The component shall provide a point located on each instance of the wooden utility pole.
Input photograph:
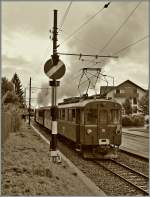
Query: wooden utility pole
(25, 97)
(29, 101)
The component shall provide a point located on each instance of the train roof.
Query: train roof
(80, 103)
(83, 103)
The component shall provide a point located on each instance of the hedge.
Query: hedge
(134, 120)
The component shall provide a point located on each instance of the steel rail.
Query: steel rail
(131, 169)
(145, 191)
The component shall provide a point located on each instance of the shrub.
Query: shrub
(135, 120)
(16, 121)
(138, 120)
(126, 121)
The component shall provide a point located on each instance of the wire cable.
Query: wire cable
(65, 15)
(132, 44)
(86, 22)
(121, 26)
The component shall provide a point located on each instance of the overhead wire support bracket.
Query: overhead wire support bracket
(88, 55)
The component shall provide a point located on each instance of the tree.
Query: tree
(127, 106)
(144, 104)
(6, 86)
(10, 97)
(18, 88)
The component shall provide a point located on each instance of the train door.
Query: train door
(103, 131)
(78, 126)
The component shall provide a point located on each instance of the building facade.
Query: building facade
(125, 90)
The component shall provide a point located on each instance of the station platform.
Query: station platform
(27, 169)
(135, 141)
(136, 131)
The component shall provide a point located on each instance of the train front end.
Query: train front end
(102, 129)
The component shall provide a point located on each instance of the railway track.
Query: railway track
(102, 176)
(136, 179)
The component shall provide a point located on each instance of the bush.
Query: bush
(126, 121)
(138, 120)
(135, 120)
(16, 121)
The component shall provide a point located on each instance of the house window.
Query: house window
(122, 91)
(117, 91)
(134, 109)
(134, 100)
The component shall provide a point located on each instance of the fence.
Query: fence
(10, 122)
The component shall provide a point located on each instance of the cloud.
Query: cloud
(17, 61)
(34, 19)
(43, 97)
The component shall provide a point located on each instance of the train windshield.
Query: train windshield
(114, 116)
(103, 116)
(91, 116)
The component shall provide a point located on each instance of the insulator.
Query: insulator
(80, 56)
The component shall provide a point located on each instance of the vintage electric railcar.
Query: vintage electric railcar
(93, 125)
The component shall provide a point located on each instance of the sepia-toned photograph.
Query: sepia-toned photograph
(75, 98)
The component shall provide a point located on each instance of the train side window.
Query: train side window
(63, 114)
(82, 116)
(41, 113)
(70, 114)
(66, 114)
(103, 116)
(73, 115)
(59, 114)
(77, 116)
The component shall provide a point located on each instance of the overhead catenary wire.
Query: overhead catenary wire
(129, 45)
(86, 22)
(121, 26)
(88, 44)
(132, 44)
(124, 48)
(65, 16)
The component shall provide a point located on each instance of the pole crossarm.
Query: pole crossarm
(88, 55)
(93, 69)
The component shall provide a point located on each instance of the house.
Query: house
(125, 90)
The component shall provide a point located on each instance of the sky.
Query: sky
(121, 29)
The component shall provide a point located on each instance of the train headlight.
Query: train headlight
(118, 131)
(89, 131)
(103, 130)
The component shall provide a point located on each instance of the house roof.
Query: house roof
(131, 83)
(105, 89)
